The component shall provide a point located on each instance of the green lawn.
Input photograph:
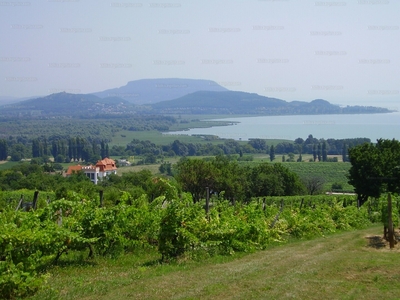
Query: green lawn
(4, 165)
(350, 265)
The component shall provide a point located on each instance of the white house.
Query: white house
(102, 169)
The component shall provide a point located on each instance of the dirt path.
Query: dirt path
(342, 266)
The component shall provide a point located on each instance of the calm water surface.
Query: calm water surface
(373, 126)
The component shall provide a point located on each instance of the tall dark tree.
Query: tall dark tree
(272, 153)
(103, 149)
(37, 148)
(107, 151)
(344, 153)
(72, 149)
(3, 149)
(319, 152)
(314, 152)
(62, 146)
(324, 152)
(300, 159)
(54, 148)
(80, 145)
(45, 148)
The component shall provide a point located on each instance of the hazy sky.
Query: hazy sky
(346, 52)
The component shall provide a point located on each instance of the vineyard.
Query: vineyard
(33, 241)
(330, 172)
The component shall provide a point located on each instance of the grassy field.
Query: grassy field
(4, 165)
(122, 138)
(350, 265)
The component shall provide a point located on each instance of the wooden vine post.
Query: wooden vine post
(390, 222)
(207, 200)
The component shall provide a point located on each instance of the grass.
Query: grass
(349, 265)
(4, 165)
(122, 138)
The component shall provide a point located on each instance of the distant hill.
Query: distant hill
(231, 102)
(192, 96)
(65, 104)
(147, 91)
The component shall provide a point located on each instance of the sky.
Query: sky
(346, 52)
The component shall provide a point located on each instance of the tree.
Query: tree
(319, 154)
(54, 148)
(72, 151)
(195, 175)
(324, 152)
(102, 149)
(291, 157)
(264, 181)
(18, 152)
(3, 149)
(273, 180)
(314, 152)
(230, 178)
(299, 141)
(313, 185)
(272, 153)
(258, 144)
(165, 167)
(37, 148)
(344, 153)
(374, 169)
(179, 148)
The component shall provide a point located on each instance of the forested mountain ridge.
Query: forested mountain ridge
(231, 102)
(191, 97)
(146, 91)
(66, 104)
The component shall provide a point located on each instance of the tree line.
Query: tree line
(90, 149)
(319, 148)
(62, 150)
(224, 177)
(375, 169)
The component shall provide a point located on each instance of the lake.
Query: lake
(373, 126)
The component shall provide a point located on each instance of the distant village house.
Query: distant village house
(102, 169)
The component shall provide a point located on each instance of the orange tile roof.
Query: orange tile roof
(106, 164)
(74, 169)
